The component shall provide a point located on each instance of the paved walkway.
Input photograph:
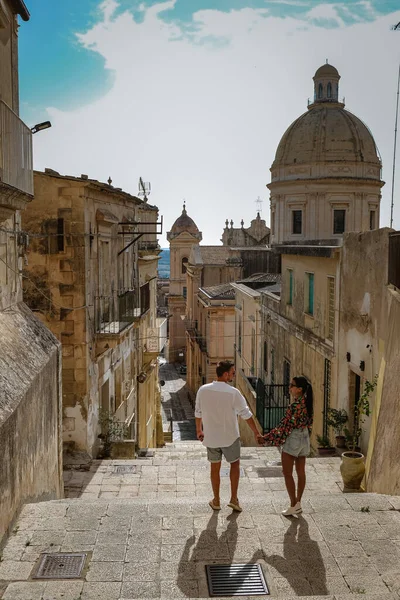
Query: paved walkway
(148, 532)
(178, 403)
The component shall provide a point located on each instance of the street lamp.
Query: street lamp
(41, 126)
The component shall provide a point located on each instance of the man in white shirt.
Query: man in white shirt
(218, 406)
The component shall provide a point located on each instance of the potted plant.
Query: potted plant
(352, 467)
(337, 418)
(324, 446)
(113, 437)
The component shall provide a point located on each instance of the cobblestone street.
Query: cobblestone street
(148, 532)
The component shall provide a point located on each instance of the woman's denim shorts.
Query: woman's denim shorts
(297, 443)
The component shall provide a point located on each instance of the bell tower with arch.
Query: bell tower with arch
(183, 236)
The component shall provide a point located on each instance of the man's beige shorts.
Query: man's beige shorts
(231, 453)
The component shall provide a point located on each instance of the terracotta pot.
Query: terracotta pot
(352, 469)
(340, 441)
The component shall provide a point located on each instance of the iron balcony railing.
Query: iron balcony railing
(16, 165)
(394, 259)
(114, 313)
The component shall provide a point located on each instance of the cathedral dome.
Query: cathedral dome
(184, 223)
(327, 71)
(326, 175)
(326, 134)
(327, 140)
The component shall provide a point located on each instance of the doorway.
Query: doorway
(354, 396)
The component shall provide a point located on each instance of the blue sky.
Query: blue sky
(194, 95)
(49, 49)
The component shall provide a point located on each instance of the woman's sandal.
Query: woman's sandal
(214, 506)
(234, 506)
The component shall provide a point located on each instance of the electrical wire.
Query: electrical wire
(42, 293)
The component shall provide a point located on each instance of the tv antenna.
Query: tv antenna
(144, 189)
(259, 203)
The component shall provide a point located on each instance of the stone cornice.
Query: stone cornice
(11, 200)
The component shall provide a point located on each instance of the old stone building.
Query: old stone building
(30, 383)
(210, 272)
(210, 336)
(326, 175)
(256, 235)
(325, 181)
(94, 254)
(248, 349)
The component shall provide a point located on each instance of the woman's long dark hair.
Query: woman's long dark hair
(306, 388)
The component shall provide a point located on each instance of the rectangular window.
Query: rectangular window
(253, 351)
(54, 228)
(273, 223)
(309, 293)
(240, 337)
(144, 298)
(290, 286)
(372, 220)
(286, 375)
(297, 216)
(331, 308)
(265, 357)
(184, 292)
(339, 221)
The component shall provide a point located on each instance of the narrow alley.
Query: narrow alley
(177, 403)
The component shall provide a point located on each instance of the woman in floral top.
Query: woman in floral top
(293, 436)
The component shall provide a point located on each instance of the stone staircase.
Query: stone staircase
(148, 532)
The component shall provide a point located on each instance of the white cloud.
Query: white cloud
(201, 119)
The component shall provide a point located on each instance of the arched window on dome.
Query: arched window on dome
(329, 90)
(320, 90)
(184, 264)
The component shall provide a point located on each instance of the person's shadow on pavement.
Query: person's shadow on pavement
(210, 548)
(302, 564)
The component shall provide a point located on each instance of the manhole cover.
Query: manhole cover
(225, 472)
(236, 580)
(125, 469)
(60, 566)
(269, 472)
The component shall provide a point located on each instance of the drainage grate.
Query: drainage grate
(125, 469)
(225, 472)
(269, 472)
(236, 580)
(60, 566)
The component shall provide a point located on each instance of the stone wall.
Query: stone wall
(30, 413)
(383, 461)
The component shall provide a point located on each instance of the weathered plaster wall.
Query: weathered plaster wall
(30, 413)
(383, 461)
(364, 306)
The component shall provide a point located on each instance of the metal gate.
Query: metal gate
(272, 402)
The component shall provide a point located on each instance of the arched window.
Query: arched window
(184, 264)
(320, 90)
(329, 90)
